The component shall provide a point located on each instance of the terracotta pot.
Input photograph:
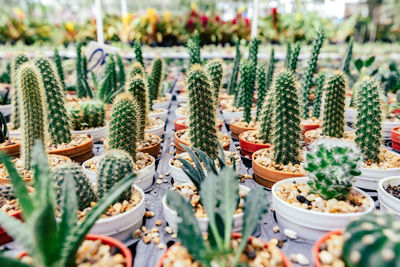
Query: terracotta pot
(317, 246)
(308, 127)
(78, 153)
(180, 125)
(395, 137)
(179, 142)
(153, 150)
(236, 130)
(268, 177)
(11, 150)
(286, 261)
(248, 148)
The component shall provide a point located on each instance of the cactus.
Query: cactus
(15, 65)
(193, 45)
(246, 85)
(369, 119)
(57, 117)
(346, 62)
(80, 87)
(268, 82)
(372, 240)
(3, 129)
(253, 51)
(286, 120)
(215, 74)
(110, 69)
(202, 117)
(288, 55)
(121, 71)
(232, 87)
(266, 118)
(312, 67)
(294, 58)
(93, 113)
(84, 191)
(113, 167)
(138, 53)
(31, 101)
(318, 95)
(124, 124)
(156, 78)
(60, 71)
(137, 69)
(333, 122)
(332, 167)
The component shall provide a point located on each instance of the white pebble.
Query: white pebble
(290, 233)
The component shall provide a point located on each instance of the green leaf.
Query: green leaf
(191, 172)
(43, 182)
(195, 160)
(359, 64)
(95, 83)
(207, 160)
(11, 262)
(221, 158)
(369, 61)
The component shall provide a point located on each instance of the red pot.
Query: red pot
(286, 261)
(308, 127)
(396, 111)
(395, 136)
(317, 246)
(248, 148)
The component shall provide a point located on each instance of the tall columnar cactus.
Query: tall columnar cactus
(312, 68)
(121, 71)
(156, 78)
(215, 73)
(93, 113)
(266, 117)
(60, 70)
(113, 167)
(193, 45)
(137, 88)
(369, 119)
(286, 120)
(261, 89)
(123, 124)
(318, 95)
(57, 116)
(253, 51)
(137, 69)
(288, 55)
(202, 119)
(333, 122)
(31, 101)
(80, 86)
(373, 240)
(110, 69)
(15, 65)
(138, 53)
(332, 166)
(84, 191)
(232, 87)
(246, 85)
(347, 60)
(294, 58)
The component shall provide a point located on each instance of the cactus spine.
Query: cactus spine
(202, 120)
(266, 118)
(318, 95)
(121, 70)
(193, 45)
(32, 110)
(261, 89)
(232, 88)
(333, 122)
(123, 124)
(312, 67)
(294, 58)
(156, 77)
(215, 73)
(138, 53)
(369, 119)
(57, 118)
(246, 85)
(286, 120)
(60, 70)
(253, 51)
(113, 167)
(15, 64)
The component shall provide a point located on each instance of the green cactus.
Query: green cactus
(369, 119)
(288, 55)
(266, 118)
(294, 58)
(332, 167)
(333, 122)
(261, 89)
(137, 69)
(15, 65)
(215, 74)
(156, 78)
(246, 85)
(373, 240)
(93, 113)
(57, 116)
(193, 44)
(312, 68)
(60, 70)
(80, 87)
(121, 71)
(232, 87)
(113, 167)
(138, 53)
(84, 190)
(110, 69)
(31, 101)
(268, 82)
(202, 117)
(124, 124)
(318, 95)
(253, 51)
(347, 62)
(286, 120)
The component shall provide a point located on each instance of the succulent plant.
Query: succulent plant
(114, 166)
(347, 62)
(92, 113)
(288, 54)
(156, 78)
(232, 87)
(246, 87)
(261, 89)
(285, 120)
(373, 240)
(266, 118)
(121, 70)
(80, 86)
(3, 129)
(110, 70)
(124, 124)
(369, 119)
(193, 44)
(318, 95)
(215, 72)
(138, 53)
(15, 65)
(137, 69)
(202, 117)
(268, 81)
(253, 50)
(294, 58)
(57, 117)
(60, 70)
(332, 166)
(312, 68)
(333, 122)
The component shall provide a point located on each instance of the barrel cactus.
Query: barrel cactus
(15, 65)
(215, 71)
(246, 87)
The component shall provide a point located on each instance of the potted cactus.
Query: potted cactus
(389, 194)
(158, 99)
(325, 200)
(370, 241)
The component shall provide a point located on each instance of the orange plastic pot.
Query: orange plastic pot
(236, 130)
(180, 124)
(308, 127)
(179, 142)
(152, 150)
(317, 247)
(11, 150)
(248, 148)
(395, 137)
(79, 153)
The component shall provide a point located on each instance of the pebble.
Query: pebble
(161, 246)
(290, 233)
(147, 239)
(137, 234)
(169, 230)
(156, 240)
(174, 236)
(158, 222)
(165, 181)
(160, 176)
(149, 214)
(276, 229)
(159, 181)
(299, 258)
(325, 257)
(168, 173)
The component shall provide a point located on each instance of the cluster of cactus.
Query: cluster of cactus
(332, 166)
(138, 53)
(202, 117)
(266, 118)
(156, 78)
(312, 67)
(319, 91)
(15, 65)
(246, 87)
(82, 86)
(333, 122)
(265, 86)
(294, 58)
(347, 62)
(87, 114)
(369, 119)
(215, 71)
(286, 120)
(373, 240)
(60, 70)
(232, 87)
(193, 44)
(253, 50)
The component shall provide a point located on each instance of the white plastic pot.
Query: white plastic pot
(387, 127)
(229, 115)
(164, 104)
(181, 98)
(162, 115)
(172, 218)
(97, 133)
(159, 131)
(350, 115)
(309, 224)
(386, 200)
(122, 225)
(178, 115)
(370, 178)
(143, 179)
(6, 109)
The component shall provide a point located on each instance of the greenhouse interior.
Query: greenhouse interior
(200, 133)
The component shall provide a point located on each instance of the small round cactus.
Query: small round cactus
(215, 73)
(15, 65)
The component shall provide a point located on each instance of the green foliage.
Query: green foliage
(246, 87)
(288, 54)
(333, 122)
(369, 119)
(332, 167)
(15, 65)
(60, 71)
(347, 60)
(318, 95)
(202, 117)
(373, 240)
(215, 72)
(3, 129)
(232, 87)
(266, 118)
(121, 70)
(156, 78)
(138, 53)
(286, 120)
(193, 45)
(253, 51)
(312, 68)
(294, 58)
(57, 116)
